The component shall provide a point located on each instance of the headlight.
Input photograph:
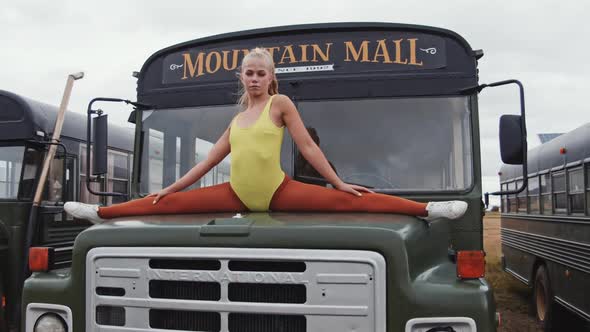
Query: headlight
(50, 323)
(441, 324)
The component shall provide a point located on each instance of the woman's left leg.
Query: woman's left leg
(297, 196)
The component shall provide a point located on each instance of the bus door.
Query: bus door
(54, 228)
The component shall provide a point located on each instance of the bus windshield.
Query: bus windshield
(397, 144)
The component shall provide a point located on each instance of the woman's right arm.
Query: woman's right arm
(219, 151)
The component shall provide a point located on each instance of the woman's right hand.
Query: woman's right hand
(160, 194)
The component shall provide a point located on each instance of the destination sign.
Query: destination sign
(322, 54)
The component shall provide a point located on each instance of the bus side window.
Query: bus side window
(559, 193)
(32, 161)
(533, 188)
(11, 158)
(576, 190)
(546, 201)
(54, 186)
(118, 175)
(512, 198)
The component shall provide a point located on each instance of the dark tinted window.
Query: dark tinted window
(32, 161)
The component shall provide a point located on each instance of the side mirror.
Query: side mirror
(100, 125)
(132, 116)
(513, 145)
(511, 139)
(99, 153)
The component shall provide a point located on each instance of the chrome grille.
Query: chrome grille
(267, 293)
(234, 290)
(185, 320)
(185, 290)
(274, 323)
(108, 315)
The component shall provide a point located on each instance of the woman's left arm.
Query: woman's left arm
(308, 148)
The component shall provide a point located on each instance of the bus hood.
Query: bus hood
(398, 238)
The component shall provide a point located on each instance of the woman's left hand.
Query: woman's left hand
(352, 189)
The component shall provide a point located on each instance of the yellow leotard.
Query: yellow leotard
(256, 170)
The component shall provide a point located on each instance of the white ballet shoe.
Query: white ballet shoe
(83, 211)
(449, 209)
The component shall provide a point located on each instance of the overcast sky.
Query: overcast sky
(545, 44)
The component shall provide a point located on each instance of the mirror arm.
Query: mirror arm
(58, 143)
(479, 88)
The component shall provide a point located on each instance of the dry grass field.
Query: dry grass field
(512, 297)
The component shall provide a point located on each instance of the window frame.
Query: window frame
(110, 177)
(545, 193)
(554, 193)
(82, 177)
(511, 199)
(536, 196)
(578, 192)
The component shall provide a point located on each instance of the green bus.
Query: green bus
(26, 126)
(546, 229)
(406, 100)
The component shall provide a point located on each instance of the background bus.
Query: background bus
(546, 228)
(25, 128)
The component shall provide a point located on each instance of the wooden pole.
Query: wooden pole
(56, 135)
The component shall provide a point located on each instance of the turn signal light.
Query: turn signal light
(40, 259)
(471, 264)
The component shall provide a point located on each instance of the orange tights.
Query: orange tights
(290, 196)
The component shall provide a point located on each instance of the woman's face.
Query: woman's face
(256, 76)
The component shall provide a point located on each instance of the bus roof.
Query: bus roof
(364, 59)
(21, 118)
(548, 156)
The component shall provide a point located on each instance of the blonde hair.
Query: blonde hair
(273, 88)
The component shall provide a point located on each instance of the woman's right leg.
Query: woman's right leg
(218, 198)
(293, 195)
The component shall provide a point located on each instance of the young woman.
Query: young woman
(257, 182)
